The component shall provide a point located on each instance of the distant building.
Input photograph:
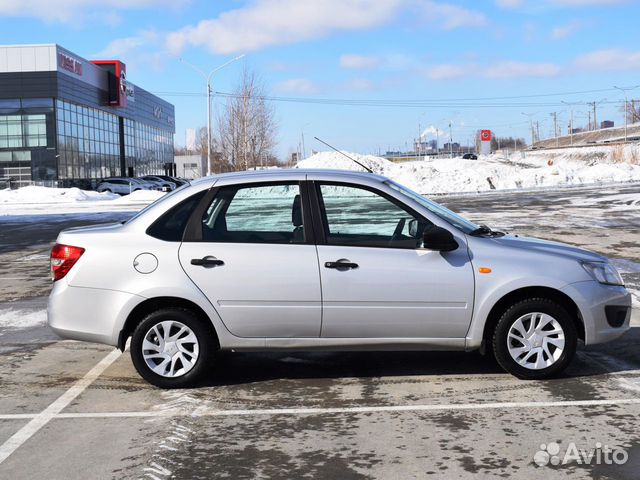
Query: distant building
(68, 121)
(190, 166)
(606, 124)
(577, 130)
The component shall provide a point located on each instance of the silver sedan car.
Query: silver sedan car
(324, 260)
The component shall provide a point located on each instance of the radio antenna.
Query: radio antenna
(342, 153)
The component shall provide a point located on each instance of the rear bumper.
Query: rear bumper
(88, 314)
(605, 310)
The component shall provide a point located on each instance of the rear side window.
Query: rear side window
(255, 214)
(170, 226)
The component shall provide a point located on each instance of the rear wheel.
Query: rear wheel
(172, 348)
(535, 339)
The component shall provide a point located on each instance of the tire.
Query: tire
(180, 363)
(106, 190)
(546, 350)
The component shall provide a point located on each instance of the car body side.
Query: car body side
(103, 294)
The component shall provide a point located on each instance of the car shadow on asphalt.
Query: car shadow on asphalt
(233, 368)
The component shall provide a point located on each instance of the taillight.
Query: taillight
(63, 257)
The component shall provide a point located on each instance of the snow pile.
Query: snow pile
(531, 170)
(46, 200)
(26, 195)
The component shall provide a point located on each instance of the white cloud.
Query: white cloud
(71, 11)
(585, 3)
(360, 85)
(500, 70)
(297, 85)
(447, 71)
(609, 60)
(265, 23)
(512, 4)
(450, 16)
(563, 31)
(521, 70)
(359, 62)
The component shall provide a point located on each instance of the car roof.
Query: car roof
(275, 174)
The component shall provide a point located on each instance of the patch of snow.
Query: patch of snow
(488, 172)
(34, 200)
(33, 194)
(21, 318)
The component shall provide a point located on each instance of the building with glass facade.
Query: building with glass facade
(67, 121)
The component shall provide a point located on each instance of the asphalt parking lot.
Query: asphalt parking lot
(73, 410)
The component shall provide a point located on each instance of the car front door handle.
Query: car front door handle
(207, 262)
(341, 264)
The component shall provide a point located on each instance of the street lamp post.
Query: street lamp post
(208, 77)
(626, 106)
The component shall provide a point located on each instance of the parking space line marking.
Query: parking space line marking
(336, 410)
(40, 420)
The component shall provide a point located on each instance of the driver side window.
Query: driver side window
(356, 216)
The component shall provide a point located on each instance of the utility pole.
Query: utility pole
(571, 105)
(595, 118)
(530, 115)
(589, 114)
(538, 130)
(626, 106)
(450, 141)
(555, 126)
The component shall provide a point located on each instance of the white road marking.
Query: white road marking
(52, 411)
(337, 410)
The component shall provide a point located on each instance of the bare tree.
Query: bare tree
(247, 126)
(632, 110)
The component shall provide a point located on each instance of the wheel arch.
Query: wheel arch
(150, 305)
(532, 292)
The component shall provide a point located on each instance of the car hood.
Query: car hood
(548, 247)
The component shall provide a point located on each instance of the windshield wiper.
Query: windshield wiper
(484, 230)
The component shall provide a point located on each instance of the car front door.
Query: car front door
(253, 256)
(377, 281)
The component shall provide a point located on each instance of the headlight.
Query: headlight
(602, 272)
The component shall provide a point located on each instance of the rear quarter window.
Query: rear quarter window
(171, 224)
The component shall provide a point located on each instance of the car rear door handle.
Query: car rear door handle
(206, 262)
(341, 264)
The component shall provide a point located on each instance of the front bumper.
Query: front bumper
(592, 299)
(88, 314)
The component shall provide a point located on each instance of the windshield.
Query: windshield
(444, 213)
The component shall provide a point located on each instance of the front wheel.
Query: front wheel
(172, 348)
(535, 339)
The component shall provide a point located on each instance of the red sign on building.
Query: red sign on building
(485, 135)
(117, 81)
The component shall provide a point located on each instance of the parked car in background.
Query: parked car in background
(160, 182)
(469, 156)
(325, 260)
(178, 181)
(124, 185)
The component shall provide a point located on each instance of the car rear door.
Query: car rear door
(250, 252)
(377, 281)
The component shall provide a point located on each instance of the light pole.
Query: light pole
(626, 106)
(571, 105)
(208, 77)
(530, 115)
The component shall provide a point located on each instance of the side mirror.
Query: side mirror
(439, 239)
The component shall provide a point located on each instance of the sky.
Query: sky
(364, 75)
